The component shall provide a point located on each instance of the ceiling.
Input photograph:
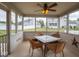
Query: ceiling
(29, 8)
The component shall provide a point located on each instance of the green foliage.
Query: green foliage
(41, 23)
(11, 22)
(2, 22)
(2, 32)
(78, 19)
(74, 28)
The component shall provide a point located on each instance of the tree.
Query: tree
(78, 19)
(11, 22)
(2, 22)
(41, 23)
(70, 27)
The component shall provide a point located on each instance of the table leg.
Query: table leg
(45, 50)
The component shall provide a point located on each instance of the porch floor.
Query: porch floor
(23, 51)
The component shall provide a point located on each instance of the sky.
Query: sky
(2, 15)
(74, 15)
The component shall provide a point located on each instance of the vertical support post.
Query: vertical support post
(0, 46)
(58, 23)
(8, 30)
(16, 19)
(35, 24)
(23, 23)
(46, 25)
(67, 26)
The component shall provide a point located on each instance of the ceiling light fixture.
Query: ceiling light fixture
(45, 11)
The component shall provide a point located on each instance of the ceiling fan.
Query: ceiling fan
(46, 8)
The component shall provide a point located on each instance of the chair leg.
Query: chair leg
(63, 53)
(29, 49)
(42, 51)
(55, 54)
(32, 52)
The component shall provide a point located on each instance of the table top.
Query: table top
(46, 38)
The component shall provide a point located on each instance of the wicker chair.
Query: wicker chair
(35, 45)
(56, 47)
(56, 35)
(39, 33)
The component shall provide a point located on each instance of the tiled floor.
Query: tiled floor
(23, 51)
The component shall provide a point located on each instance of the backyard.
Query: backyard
(3, 32)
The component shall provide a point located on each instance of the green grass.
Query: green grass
(75, 29)
(2, 22)
(50, 29)
(44, 29)
(3, 32)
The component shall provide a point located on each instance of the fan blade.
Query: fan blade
(51, 10)
(55, 4)
(38, 10)
(40, 5)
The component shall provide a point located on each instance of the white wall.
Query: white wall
(15, 40)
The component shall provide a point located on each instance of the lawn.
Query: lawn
(50, 29)
(74, 28)
(44, 29)
(3, 32)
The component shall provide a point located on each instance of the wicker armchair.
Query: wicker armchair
(35, 45)
(39, 33)
(56, 35)
(56, 47)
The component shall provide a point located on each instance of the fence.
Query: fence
(3, 45)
